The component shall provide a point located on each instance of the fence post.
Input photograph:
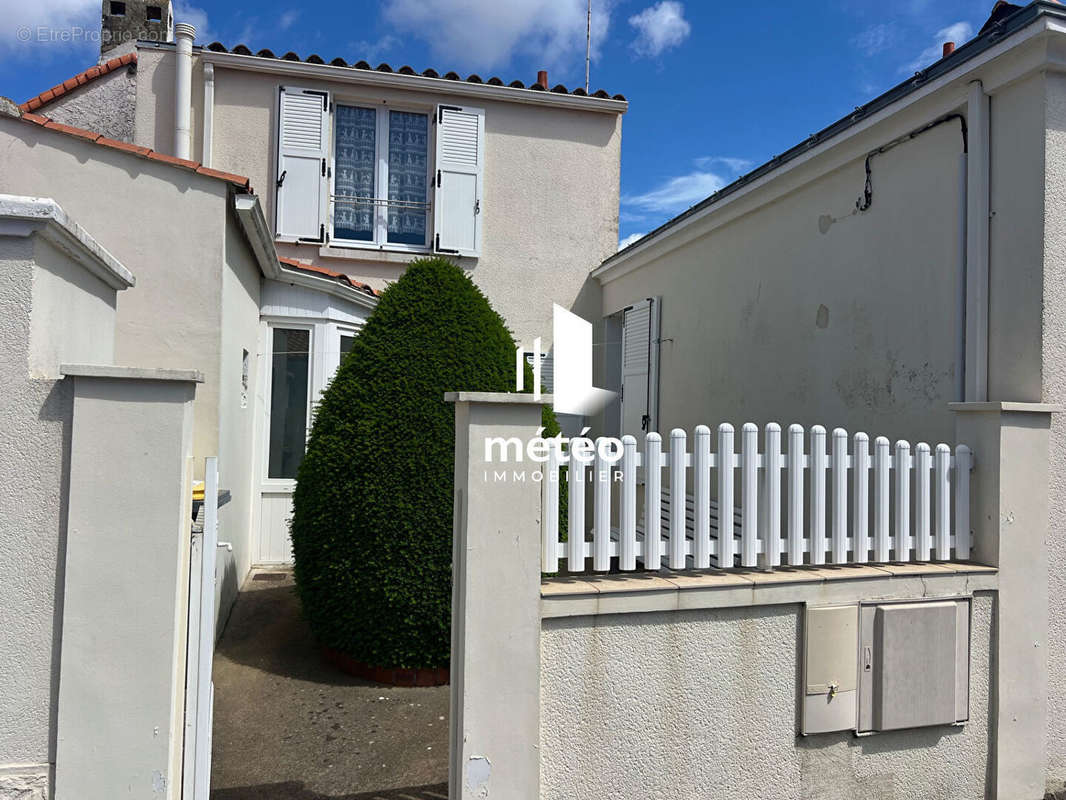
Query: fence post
(495, 661)
(1009, 518)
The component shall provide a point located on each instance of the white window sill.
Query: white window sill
(382, 256)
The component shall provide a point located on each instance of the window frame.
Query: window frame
(381, 173)
(268, 398)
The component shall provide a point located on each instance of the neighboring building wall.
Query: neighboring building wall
(551, 182)
(104, 105)
(238, 468)
(789, 306)
(1054, 391)
(37, 284)
(797, 309)
(168, 224)
(703, 704)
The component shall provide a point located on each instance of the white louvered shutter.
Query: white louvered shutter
(640, 368)
(457, 195)
(303, 158)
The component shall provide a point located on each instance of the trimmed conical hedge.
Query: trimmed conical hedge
(372, 519)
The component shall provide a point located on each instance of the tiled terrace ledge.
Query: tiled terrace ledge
(681, 591)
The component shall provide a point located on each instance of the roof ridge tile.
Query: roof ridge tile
(82, 78)
(240, 49)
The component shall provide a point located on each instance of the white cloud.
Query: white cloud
(373, 52)
(875, 39)
(659, 28)
(197, 17)
(485, 34)
(674, 195)
(287, 18)
(32, 28)
(622, 245)
(958, 32)
(734, 165)
(677, 194)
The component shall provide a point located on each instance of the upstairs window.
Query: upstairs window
(375, 148)
(377, 177)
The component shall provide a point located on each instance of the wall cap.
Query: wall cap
(1030, 408)
(26, 216)
(505, 398)
(591, 595)
(130, 373)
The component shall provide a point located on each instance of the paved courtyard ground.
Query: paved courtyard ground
(290, 727)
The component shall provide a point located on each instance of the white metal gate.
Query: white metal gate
(199, 689)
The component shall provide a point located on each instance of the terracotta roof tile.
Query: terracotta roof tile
(80, 79)
(84, 134)
(179, 162)
(340, 277)
(239, 181)
(243, 50)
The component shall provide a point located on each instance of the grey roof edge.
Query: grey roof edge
(45, 216)
(973, 48)
(130, 373)
(249, 213)
(598, 101)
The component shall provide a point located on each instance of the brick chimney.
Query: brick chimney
(123, 22)
(542, 78)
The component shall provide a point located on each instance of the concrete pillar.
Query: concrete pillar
(122, 665)
(1009, 516)
(495, 663)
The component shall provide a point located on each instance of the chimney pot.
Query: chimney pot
(542, 78)
(949, 48)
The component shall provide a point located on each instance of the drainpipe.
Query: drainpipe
(184, 34)
(960, 286)
(977, 216)
(209, 111)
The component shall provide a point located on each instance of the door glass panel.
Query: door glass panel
(408, 184)
(354, 184)
(289, 385)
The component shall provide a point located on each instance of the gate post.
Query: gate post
(495, 661)
(1009, 517)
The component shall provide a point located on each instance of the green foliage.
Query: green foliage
(372, 519)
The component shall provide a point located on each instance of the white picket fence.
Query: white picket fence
(793, 507)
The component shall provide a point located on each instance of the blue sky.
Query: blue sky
(714, 88)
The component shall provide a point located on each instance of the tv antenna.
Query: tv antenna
(588, 45)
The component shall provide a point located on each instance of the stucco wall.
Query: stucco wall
(1054, 390)
(702, 704)
(73, 314)
(550, 210)
(799, 310)
(166, 224)
(788, 305)
(237, 467)
(35, 281)
(104, 105)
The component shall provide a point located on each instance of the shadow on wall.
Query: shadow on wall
(291, 790)
(58, 406)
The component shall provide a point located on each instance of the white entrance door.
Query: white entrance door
(286, 408)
